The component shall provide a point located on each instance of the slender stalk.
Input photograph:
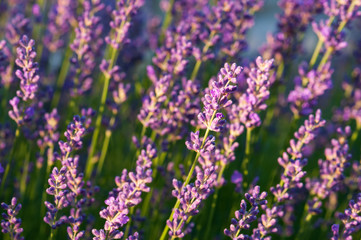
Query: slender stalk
(204, 50)
(319, 45)
(4, 101)
(280, 70)
(147, 199)
(316, 52)
(167, 20)
(98, 121)
(43, 196)
(11, 155)
(126, 233)
(329, 50)
(247, 155)
(62, 76)
(108, 134)
(214, 203)
(25, 172)
(196, 69)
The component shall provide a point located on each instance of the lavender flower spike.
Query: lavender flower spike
(127, 194)
(244, 216)
(28, 81)
(28, 75)
(217, 97)
(257, 93)
(293, 162)
(351, 219)
(10, 224)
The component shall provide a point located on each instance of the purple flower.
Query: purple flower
(130, 186)
(190, 198)
(332, 171)
(309, 87)
(351, 220)
(86, 47)
(17, 26)
(61, 17)
(293, 162)
(351, 104)
(257, 93)
(293, 20)
(217, 97)
(121, 21)
(4, 57)
(245, 216)
(22, 112)
(28, 76)
(331, 37)
(10, 224)
(67, 184)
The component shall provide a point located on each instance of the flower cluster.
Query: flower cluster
(293, 161)
(130, 186)
(17, 26)
(157, 74)
(28, 80)
(216, 97)
(86, 46)
(309, 86)
(120, 23)
(351, 105)
(351, 220)
(67, 185)
(245, 216)
(61, 16)
(256, 95)
(292, 23)
(12, 225)
(190, 198)
(332, 171)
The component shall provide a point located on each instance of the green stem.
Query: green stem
(147, 199)
(305, 219)
(90, 162)
(325, 57)
(25, 173)
(196, 69)
(108, 134)
(247, 155)
(11, 155)
(316, 52)
(214, 203)
(204, 50)
(167, 20)
(4, 102)
(61, 78)
(52, 233)
(280, 70)
(319, 45)
(329, 50)
(126, 233)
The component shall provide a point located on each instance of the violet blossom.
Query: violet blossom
(10, 224)
(246, 215)
(351, 220)
(23, 112)
(332, 171)
(67, 184)
(130, 186)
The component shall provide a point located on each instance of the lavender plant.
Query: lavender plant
(188, 139)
